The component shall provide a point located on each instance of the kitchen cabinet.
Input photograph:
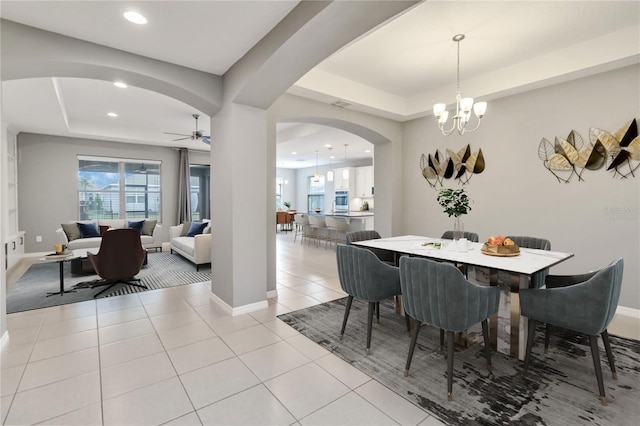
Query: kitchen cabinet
(339, 181)
(364, 182)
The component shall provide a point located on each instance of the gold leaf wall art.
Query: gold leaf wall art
(459, 165)
(623, 148)
(567, 157)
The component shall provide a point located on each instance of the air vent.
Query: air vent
(341, 104)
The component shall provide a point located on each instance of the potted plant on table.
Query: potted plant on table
(287, 204)
(455, 203)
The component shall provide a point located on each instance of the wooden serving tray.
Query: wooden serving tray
(502, 251)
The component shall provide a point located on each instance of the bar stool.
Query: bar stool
(301, 223)
(335, 225)
(318, 226)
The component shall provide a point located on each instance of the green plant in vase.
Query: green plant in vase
(287, 204)
(455, 203)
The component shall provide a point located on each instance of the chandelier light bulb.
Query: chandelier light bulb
(463, 106)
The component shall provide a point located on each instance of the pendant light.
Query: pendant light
(463, 106)
(330, 172)
(345, 171)
(316, 176)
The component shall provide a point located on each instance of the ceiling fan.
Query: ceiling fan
(197, 135)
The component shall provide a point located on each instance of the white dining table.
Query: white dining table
(508, 329)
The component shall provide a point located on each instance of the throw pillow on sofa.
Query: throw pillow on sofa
(88, 230)
(186, 225)
(148, 227)
(137, 225)
(196, 228)
(72, 231)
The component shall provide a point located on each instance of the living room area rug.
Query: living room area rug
(560, 387)
(162, 270)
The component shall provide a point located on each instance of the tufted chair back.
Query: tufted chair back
(438, 294)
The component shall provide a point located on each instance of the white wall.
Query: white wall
(48, 181)
(517, 195)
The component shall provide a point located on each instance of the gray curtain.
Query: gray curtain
(184, 187)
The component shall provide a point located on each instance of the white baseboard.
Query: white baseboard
(272, 293)
(240, 310)
(628, 312)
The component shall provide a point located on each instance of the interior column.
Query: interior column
(239, 208)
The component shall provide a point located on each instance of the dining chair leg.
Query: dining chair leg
(346, 316)
(527, 356)
(450, 344)
(407, 320)
(412, 345)
(607, 348)
(441, 340)
(487, 345)
(372, 306)
(547, 336)
(595, 354)
(378, 312)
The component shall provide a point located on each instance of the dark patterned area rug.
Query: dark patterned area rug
(560, 388)
(162, 270)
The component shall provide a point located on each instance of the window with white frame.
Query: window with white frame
(315, 194)
(116, 188)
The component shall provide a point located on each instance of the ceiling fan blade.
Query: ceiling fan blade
(177, 134)
(206, 139)
(181, 139)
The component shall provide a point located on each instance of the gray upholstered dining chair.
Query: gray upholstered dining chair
(363, 276)
(438, 294)
(471, 236)
(582, 303)
(384, 255)
(537, 280)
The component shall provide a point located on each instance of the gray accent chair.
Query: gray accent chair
(439, 295)
(386, 256)
(582, 303)
(471, 236)
(364, 276)
(537, 280)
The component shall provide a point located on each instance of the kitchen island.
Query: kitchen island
(357, 220)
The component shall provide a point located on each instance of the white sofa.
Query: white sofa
(196, 249)
(148, 241)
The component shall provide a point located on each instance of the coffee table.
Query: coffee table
(60, 259)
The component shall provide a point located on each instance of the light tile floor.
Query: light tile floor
(173, 357)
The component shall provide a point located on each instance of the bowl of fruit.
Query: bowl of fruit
(500, 246)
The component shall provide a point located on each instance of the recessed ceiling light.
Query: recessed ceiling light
(120, 84)
(135, 17)
(112, 114)
(328, 145)
(294, 153)
(367, 150)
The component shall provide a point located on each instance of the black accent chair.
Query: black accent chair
(120, 258)
(438, 294)
(582, 303)
(364, 276)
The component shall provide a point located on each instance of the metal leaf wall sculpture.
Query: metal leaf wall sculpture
(459, 165)
(567, 157)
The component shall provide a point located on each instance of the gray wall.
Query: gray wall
(48, 175)
(517, 195)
